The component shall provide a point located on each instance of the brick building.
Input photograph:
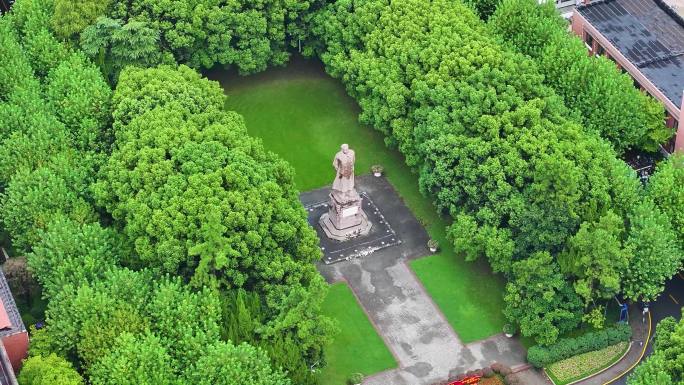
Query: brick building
(14, 338)
(645, 38)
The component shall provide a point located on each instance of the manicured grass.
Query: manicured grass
(357, 348)
(464, 298)
(304, 115)
(583, 365)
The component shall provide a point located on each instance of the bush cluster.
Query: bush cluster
(541, 356)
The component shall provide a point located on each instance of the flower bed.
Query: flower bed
(575, 368)
(496, 380)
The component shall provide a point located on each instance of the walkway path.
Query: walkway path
(425, 346)
(423, 343)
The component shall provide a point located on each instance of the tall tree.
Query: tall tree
(657, 255)
(664, 188)
(80, 97)
(540, 300)
(49, 370)
(70, 18)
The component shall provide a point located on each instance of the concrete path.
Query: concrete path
(421, 340)
(425, 346)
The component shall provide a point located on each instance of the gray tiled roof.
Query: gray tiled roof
(649, 34)
(10, 308)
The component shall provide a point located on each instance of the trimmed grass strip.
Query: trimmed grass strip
(357, 348)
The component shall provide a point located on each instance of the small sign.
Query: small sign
(349, 211)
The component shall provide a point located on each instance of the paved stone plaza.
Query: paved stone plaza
(425, 346)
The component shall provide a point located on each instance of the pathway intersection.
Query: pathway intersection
(425, 346)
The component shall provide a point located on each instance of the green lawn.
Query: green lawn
(304, 115)
(357, 348)
(470, 301)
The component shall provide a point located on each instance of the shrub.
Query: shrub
(49, 370)
(541, 356)
(355, 378)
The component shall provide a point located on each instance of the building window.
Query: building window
(600, 50)
(588, 40)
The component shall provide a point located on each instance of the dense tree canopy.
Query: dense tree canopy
(55, 122)
(603, 98)
(497, 149)
(73, 253)
(195, 194)
(243, 33)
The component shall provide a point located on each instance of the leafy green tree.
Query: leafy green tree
(48, 370)
(247, 34)
(31, 20)
(33, 198)
(652, 371)
(186, 322)
(135, 360)
(70, 18)
(72, 253)
(16, 72)
(226, 364)
(83, 321)
(664, 189)
(540, 301)
(34, 144)
(656, 253)
(80, 97)
(484, 8)
(114, 45)
(597, 257)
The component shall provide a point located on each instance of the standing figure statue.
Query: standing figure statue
(345, 218)
(344, 165)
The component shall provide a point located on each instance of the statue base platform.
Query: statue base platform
(345, 218)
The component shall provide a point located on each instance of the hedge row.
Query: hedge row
(541, 356)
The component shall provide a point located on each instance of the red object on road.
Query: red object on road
(467, 381)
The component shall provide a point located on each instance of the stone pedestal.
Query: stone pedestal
(345, 218)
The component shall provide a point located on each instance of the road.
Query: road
(668, 304)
